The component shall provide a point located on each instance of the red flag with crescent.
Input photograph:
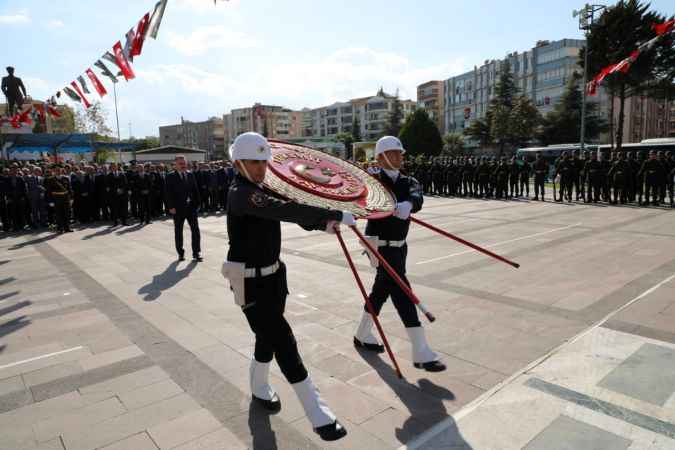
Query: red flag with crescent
(96, 82)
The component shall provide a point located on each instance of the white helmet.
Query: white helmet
(387, 143)
(250, 146)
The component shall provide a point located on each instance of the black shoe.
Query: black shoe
(331, 432)
(197, 258)
(273, 405)
(68, 230)
(124, 224)
(370, 347)
(431, 366)
(181, 258)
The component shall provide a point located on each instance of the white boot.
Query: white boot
(423, 356)
(364, 337)
(260, 387)
(319, 414)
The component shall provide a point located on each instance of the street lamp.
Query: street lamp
(586, 16)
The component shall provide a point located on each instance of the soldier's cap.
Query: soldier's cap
(387, 143)
(9, 68)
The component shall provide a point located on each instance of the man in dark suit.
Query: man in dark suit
(182, 201)
(117, 181)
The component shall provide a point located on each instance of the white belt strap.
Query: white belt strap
(382, 243)
(252, 272)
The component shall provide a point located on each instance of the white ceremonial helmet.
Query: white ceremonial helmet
(250, 146)
(387, 143)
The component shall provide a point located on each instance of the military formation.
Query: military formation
(37, 195)
(623, 177)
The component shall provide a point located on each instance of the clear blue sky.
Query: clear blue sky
(209, 59)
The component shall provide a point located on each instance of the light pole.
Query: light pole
(586, 16)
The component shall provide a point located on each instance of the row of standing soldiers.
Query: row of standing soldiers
(44, 195)
(481, 177)
(624, 177)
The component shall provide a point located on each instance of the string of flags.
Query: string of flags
(120, 57)
(623, 66)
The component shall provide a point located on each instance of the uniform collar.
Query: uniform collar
(392, 174)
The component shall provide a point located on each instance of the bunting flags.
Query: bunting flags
(83, 84)
(79, 92)
(140, 35)
(131, 37)
(122, 62)
(105, 71)
(625, 64)
(96, 82)
(53, 111)
(72, 94)
(156, 19)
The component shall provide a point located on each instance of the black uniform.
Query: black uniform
(58, 192)
(144, 185)
(102, 194)
(16, 198)
(618, 175)
(654, 173)
(394, 229)
(254, 230)
(119, 199)
(525, 170)
(593, 176)
(540, 172)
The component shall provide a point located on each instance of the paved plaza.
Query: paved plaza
(107, 342)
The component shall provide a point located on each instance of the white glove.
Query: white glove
(331, 226)
(51, 204)
(348, 219)
(402, 210)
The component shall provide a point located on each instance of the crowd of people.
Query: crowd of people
(39, 195)
(623, 177)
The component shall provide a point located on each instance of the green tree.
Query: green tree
(619, 31)
(356, 129)
(563, 124)
(420, 135)
(479, 130)
(395, 117)
(501, 106)
(523, 121)
(454, 143)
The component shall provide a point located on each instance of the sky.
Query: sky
(209, 59)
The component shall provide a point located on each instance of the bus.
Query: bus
(644, 147)
(551, 153)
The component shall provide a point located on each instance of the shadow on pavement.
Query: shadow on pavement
(165, 280)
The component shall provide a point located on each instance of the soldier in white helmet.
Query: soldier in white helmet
(389, 235)
(258, 278)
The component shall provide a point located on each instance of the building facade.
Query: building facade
(208, 135)
(430, 97)
(274, 122)
(541, 73)
(645, 118)
(372, 114)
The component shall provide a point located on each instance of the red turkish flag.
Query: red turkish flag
(663, 28)
(122, 62)
(137, 47)
(96, 82)
(81, 94)
(53, 111)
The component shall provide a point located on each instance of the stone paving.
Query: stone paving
(107, 342)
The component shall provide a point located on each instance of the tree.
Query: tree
(619, 31)
(479, 130)
(92, 120)
(454, 143)
(395, 117)
(563, 124)
(420, 135)
(356, 129)
(501, 106)
(348, 141)
(523, 121)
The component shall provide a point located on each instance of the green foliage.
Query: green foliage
(420, 135)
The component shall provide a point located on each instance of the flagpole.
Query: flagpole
(117, 119)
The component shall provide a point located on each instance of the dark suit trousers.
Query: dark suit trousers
(178, 221)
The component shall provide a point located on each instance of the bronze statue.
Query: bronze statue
(14, 90)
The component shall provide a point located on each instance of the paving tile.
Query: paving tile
(566, 433)
(394, 427)
(184, 429)
(147, 395)
(129, 382)
(110, 357)
(647, 375)
(139, 441)
(36, 412)
(133, 422)
(51, 373)
(12, 384)
(78, 421)
(15, 399)
(343, 368)
(34, 365)
(349, 402)
(221, 439)
(53, 444)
